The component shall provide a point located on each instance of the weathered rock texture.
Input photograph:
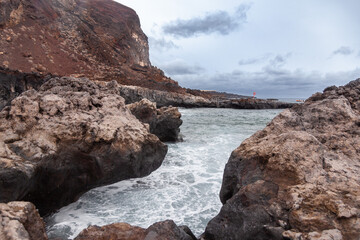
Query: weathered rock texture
(299, 177)
(162, 98)
(21, 221)
(13, 83)
(164, 122)
(68, 137)
(98, 39)
(166, 230)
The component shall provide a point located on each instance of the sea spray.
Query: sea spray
(185, 188)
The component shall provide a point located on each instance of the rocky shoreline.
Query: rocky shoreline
(272, 188)
(13, 83)
(299, 177)
(60, 136)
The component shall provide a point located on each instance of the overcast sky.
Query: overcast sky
(277, 48)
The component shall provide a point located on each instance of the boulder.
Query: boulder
(164, 122)
(299, 177)
(166, 230)
(21, 221)
(68, 137)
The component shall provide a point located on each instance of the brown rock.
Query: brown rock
(68, 137)
(118, 231)
(101, 39)
(166, 230)
(21, 221)
(164, 122)
(300, 173)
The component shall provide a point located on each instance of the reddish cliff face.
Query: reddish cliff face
(98, 39)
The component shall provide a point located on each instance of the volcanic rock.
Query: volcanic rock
(68, 137)
(166, 230)
(13, 83)
(299, 177)
(98, 39)
(164, 122)
(21, 221)
(134, 94)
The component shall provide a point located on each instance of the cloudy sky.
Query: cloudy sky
(277, 48)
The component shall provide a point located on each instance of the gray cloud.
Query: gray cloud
(220, 22)
(161, 44)
(343, 51)
(279, 60)
(251, 61)
(178, 68)
(285, 83)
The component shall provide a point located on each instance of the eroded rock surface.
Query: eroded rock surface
(134, 94)
(166, 230)
(21, 221)
(13, 83)
(68, 137)
(299, 177)
(164, 122)
(97, 39)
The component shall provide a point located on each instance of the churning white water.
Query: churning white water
(185, 188)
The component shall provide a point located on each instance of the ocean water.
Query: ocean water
(185, 188)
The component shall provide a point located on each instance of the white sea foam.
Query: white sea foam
(185, 188)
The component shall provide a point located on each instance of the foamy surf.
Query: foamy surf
(185, 188)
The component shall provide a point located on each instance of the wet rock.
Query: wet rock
(68, 137)
(166, 230)
(299, 176)
(21, 221)
(164, 122)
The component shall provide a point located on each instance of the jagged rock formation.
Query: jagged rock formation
(161, 98)
(21, 221)
(68, 137)
(164, 122)
(166, 230)
(13, 83)
(299, 177)
(98, 39)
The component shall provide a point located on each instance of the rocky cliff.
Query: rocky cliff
(68, 137)
(98, 39)
(299, 177)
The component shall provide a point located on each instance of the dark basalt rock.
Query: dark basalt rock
(13, 83)
(299, 177)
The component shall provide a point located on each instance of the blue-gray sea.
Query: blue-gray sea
(185, 188)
